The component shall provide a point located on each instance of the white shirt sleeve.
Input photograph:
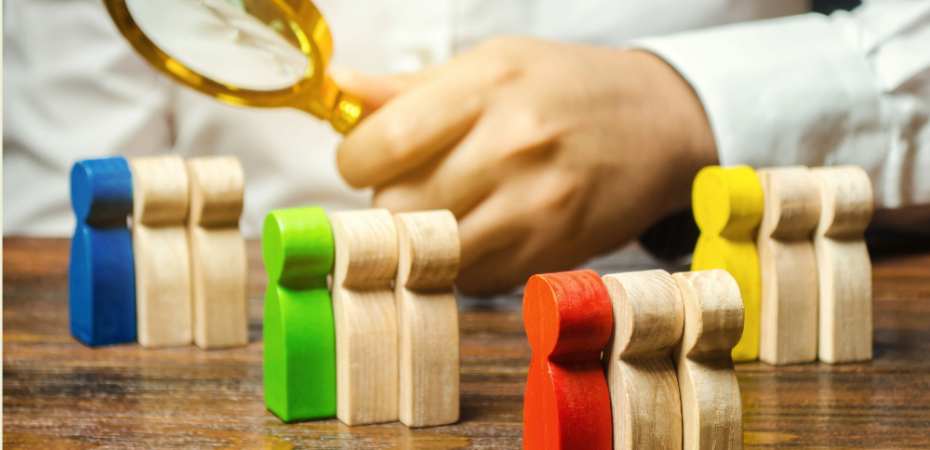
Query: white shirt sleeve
(851, 88)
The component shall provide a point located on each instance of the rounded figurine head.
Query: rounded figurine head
(727, 201)
(297, 246)
(567, 312)
(101, 191)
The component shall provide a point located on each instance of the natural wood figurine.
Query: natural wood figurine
(711, 411)
(728, 206)
(365, 317)
(788, 331)
(162, 255)
(843, 265)
(427, 318)
(299, 339)
(568, 322)
(218, 261)
(648, 323)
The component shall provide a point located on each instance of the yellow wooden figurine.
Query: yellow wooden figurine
(728, 206)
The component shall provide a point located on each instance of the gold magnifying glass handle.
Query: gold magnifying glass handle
(347, 113)
(344, 110)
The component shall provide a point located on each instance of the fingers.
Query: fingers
(532, 224)
(408, 131)
(498, 223)
(438, 107)
(538, 203)
(501, 144)
(492, 274)
(374, 91)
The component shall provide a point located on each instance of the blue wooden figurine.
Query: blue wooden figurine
(101, 274)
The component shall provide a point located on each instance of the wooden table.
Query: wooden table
(59, 394)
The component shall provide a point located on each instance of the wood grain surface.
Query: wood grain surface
(60, 394)
(161, 251)
(364, 316)
(428, 348)
(711, 410)
(644, 397)
(219, 265)
(843, 267)
(788, 326)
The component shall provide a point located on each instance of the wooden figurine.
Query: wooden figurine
(300, 342)
(365, 317)
(568, 322)
(711, 411)
(648, 323)
(101, 281)
(218, 261)
(427, 318)
(788, 330)
(728, 206)
(159, 239)
(843, 266)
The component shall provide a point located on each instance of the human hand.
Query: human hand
(548, 154)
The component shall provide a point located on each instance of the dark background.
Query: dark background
(828, 6)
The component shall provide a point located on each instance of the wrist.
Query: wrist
(687, 139)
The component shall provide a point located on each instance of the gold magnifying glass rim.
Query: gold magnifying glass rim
(310, 94)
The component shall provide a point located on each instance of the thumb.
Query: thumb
(374, 91)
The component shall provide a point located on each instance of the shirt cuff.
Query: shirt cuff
(789, 91)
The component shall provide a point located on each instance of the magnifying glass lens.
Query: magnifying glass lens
(222, 41)
(267, 53)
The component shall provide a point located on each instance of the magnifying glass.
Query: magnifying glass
(267, 53)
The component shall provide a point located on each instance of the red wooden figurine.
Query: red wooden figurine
(568, 321)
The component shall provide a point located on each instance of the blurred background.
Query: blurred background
(74, 89)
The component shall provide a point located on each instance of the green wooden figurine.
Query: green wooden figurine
(300, 341)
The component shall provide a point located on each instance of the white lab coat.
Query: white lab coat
(851, 89)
